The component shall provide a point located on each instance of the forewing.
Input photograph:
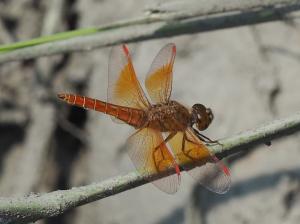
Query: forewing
(159, 78)
(148, 159)
(210, 171)
(123, 87)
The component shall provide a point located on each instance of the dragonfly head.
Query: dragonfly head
(201, 116)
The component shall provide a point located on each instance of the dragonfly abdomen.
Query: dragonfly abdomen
(131, 116)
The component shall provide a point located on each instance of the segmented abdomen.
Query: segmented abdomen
(131, 116)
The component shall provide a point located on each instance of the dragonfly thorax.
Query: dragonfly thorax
(171, 116)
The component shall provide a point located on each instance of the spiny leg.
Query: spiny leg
(168, 138)
(184, 138)
(206, 139)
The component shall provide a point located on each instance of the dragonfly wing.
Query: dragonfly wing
(150, 155)
(210, 172)
(159, 78)
(123, 86)
(212, 176)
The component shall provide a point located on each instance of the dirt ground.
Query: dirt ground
(248, 76)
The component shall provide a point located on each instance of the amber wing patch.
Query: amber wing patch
(210, 171)
(159, 78)
(150, 155)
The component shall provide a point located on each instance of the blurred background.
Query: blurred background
(248, 76)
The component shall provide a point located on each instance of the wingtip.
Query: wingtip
(125, 48)
(174, 48)
(177, 169)
(226, 170)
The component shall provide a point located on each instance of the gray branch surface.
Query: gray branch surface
(165, 21)
(33, 207)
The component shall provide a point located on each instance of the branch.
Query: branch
(34, 207)
(160, 22)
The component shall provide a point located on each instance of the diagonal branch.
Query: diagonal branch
(158, 23)
(34, 207)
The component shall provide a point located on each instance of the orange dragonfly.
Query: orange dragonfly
(153, 120)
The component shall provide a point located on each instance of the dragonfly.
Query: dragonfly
(167, 136)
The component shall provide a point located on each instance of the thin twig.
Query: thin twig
(34, 207)
(157, 24)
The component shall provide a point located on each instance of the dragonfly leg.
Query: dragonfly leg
(184, 138)
(206, 139)
(168, 138)
(186, 152)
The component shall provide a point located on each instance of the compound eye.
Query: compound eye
(199, 107)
